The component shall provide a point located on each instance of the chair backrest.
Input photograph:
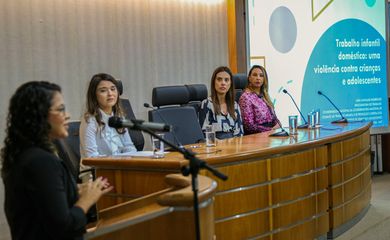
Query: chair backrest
(240, 82)
(69, 148)
(136, 136)
(198, 92)
(119, 87)
(170, 95)
(73, 138)
(69, 152)
(170, 101)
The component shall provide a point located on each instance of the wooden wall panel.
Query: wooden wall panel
(232, 34)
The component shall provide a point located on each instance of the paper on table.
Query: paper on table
(137, 154)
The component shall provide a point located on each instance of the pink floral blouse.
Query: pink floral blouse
(256, 115)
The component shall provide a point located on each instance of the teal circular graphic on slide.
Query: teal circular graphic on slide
(348, 64)
(282, 29)
(370, 3)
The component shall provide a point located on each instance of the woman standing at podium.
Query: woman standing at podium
(96, 137)
(257, 109)
(42, 200)
(220, 110)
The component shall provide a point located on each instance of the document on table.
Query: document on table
(137, 154)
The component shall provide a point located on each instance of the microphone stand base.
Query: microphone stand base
(303, 126)
(279, 134)
(343, 120)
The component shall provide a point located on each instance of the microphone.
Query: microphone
(343, 119)
(147, 105)
(282, 133)
(135, 124)
(303, 118)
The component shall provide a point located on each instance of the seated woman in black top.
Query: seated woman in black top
(220, 110)
(42, 200)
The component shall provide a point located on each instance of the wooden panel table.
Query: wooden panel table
(313, 185)
(164, 215)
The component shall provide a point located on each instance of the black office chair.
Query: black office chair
(69, 159)
(69, 149)
(172, 109)
(240, 83)
(136, 136)
(198, 92)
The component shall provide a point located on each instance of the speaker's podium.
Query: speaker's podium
(167, 214)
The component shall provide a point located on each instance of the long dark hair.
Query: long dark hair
(264, 87)
(27, 121)
(229, 97)
(93, 104)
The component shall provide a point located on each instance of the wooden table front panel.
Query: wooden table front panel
(130, 184)
(162, 227)
(350, 179)
(266, 196)
(278, 188)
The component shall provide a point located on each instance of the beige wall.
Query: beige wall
(145, 43)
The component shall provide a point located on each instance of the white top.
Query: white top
(103, 140)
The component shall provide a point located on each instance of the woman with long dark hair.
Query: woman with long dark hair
(96, 137)
(42, 199)
(220, 110)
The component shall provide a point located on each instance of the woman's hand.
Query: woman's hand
(90, 192)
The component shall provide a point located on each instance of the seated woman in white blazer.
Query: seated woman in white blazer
(96, 137)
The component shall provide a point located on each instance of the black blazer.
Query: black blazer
(39, 197)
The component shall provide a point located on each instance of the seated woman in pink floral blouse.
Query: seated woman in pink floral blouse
(257, 110)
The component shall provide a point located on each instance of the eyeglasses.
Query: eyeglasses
(61, 110)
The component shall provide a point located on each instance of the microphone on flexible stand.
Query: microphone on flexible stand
(147, 105)
(343, 119)
(306, 125)
(135, 124)
(282, 133)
